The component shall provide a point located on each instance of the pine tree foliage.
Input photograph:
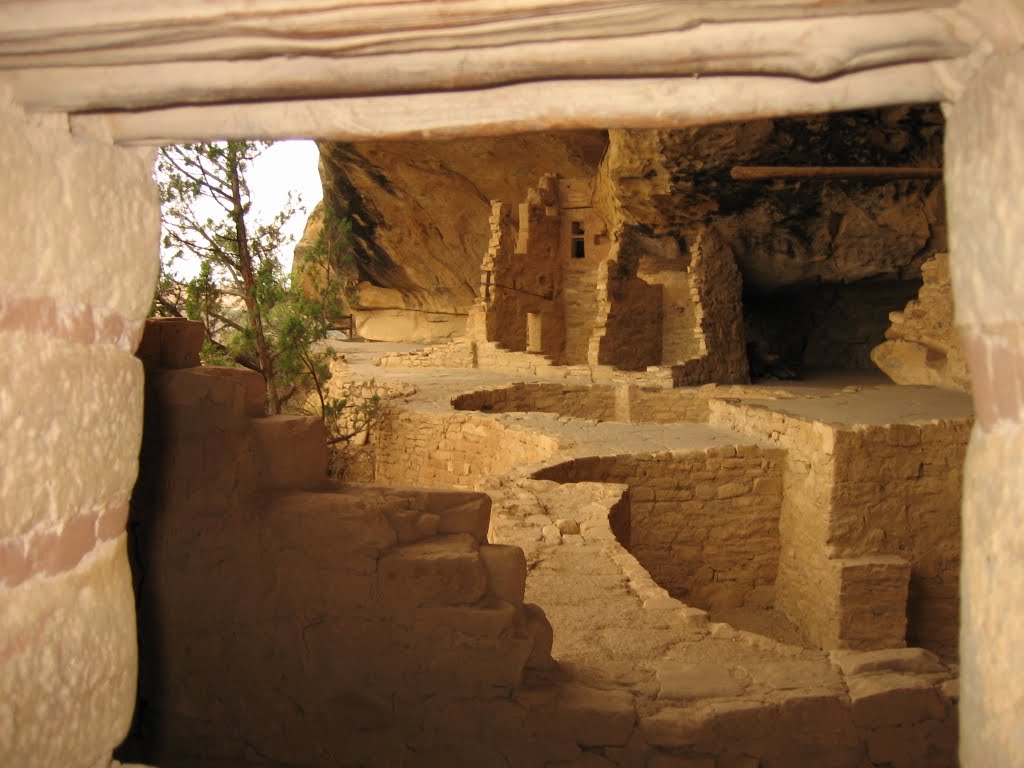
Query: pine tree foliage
(253, 315)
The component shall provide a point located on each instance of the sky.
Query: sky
(284, 166)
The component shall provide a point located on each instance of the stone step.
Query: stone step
(445, 570)
(290, 452)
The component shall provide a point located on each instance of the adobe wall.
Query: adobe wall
(79, 232)
(704, 524)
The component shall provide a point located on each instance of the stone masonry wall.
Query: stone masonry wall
(665, 406)
(623, 401)
(806, 588)
(626, 303)
(450, 449)
(716, 293)
(704, 524)
(522, 275)
(79, 237)
(897, 492)
(869, 527)
(579, 401)
(455, 354)
(580, 292)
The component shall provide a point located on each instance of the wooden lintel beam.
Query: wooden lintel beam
(826, 172)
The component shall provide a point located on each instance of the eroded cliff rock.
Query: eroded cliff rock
(419, 210)
(419, 213)
(922, 345)
(786, 232)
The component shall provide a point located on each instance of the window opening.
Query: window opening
(579, 250)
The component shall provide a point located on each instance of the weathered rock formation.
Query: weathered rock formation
(419, 214)
(804, 247)
(923, 346)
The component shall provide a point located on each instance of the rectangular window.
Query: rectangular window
(579, 248)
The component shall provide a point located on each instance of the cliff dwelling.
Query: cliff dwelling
(580, 511)
(686, 454)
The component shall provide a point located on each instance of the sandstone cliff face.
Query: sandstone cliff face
(419, 210)
(784, 233)
(823, 261)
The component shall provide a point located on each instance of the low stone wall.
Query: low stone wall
(580, 401)
(704, 524)
(605, 402)
(665, 406)
(451, 449)
(455, 354)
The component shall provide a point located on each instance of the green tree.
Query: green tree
(206, 211)
(254, 315)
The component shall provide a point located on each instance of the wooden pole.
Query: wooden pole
(822, 172)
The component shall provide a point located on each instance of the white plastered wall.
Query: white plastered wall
(984, 168)
(79, 228)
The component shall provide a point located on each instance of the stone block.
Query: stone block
(290, 452)
(675, 761)
(405, 524)
(675, 727)
(427, 525)
(594, 717)
(297, 519)
(794, 675)
(485, 619)
(733, 489)
(893, 699)
(872, 605)
(460, 512)
(506, 571)
(567, 527)
(68, 671)
(915, 660)
(171, 343)
(906, 747)
(682, 680)
(543, 637)
(551, 535)
(254, 389)
(445, 570)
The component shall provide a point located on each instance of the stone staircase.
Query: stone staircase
(273, 601)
